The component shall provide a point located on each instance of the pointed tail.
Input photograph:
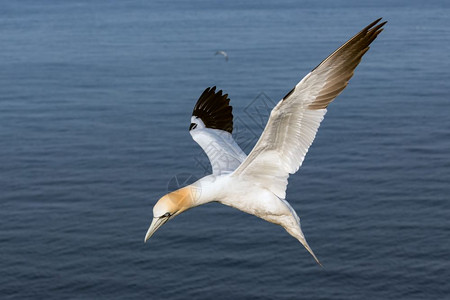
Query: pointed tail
(305, 243)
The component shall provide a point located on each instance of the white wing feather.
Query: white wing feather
(294, 121)
(222, 151)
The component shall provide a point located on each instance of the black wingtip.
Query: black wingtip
(371, 29)
(214, 110)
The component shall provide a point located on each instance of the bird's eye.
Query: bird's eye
(193, 126)
(166, 215)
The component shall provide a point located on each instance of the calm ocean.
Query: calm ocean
(95, 105)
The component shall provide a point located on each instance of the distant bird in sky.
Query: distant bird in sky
(222, 53)
(256, 184)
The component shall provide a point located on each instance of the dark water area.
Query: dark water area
(95, 104)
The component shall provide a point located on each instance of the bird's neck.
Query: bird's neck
(207, 189)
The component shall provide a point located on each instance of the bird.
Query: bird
(222, 53)
(256, 183)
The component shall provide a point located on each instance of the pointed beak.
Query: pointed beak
(156, 223)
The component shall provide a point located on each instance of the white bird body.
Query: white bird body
(251, 198)
(233, 192)
(256, 184)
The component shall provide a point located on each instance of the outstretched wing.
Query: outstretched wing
(294, 121)
(211, 127)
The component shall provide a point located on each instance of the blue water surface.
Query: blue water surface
(95, 104)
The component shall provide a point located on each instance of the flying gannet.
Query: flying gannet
(223, 53)
(256, 184)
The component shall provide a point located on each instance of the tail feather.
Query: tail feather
(305, 243)
(294, 229)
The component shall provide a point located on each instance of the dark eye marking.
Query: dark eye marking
(166, 215)
(192, 126)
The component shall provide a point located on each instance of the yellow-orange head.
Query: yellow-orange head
(170, 206)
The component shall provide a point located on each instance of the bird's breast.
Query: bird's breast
(245, 196)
